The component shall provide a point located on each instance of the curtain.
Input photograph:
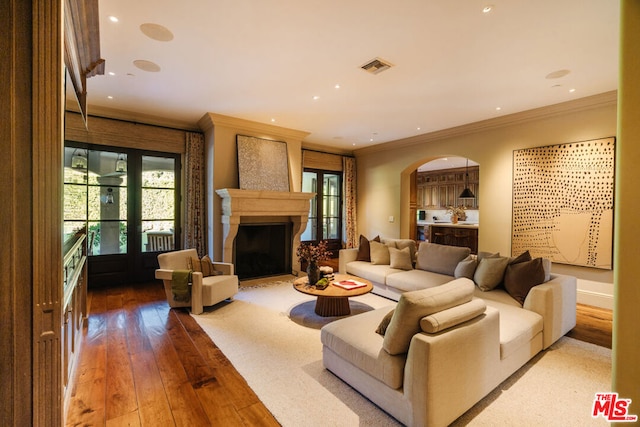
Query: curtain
(194, 208)
(349, 194)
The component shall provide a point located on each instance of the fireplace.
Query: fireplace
(262, 250)
(249, 208)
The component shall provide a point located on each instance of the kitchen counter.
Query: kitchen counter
(462, 233)
(459, 224)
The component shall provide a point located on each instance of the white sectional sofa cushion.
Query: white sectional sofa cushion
(413, 280)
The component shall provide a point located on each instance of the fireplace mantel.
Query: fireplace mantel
(256, 205)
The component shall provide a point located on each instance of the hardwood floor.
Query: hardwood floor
(142, 363)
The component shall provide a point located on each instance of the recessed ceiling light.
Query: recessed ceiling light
(113, 19)
(109, 97)
(156, 32)
(488, 8)
(417, 128)
(337, 86)
(316, 97)
(273, 120)
(557, 74)
(111, 73)
(498, 108)
(572, 90)
(354, 144)
(145, 65)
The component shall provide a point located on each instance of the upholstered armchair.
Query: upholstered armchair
(205, 291)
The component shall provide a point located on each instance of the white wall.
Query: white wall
(383, 172)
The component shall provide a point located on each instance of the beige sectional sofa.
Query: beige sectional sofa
(457, 351)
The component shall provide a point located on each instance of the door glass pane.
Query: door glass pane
(331, 206)
(75, 190)
(106, 202)
(158, 204)
(107, 237)
(310, 185)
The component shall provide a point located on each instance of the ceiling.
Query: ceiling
(265, 61)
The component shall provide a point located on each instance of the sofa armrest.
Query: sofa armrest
(555, 301)
(225, 267)
(164, 274)
(346, 256)
(448, 372)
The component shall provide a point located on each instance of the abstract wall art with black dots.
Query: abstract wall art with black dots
(563, 202)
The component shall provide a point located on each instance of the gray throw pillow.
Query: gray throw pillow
(466, 268)
(490, 272)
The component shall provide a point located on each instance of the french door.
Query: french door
(325, 213)
(128, 200)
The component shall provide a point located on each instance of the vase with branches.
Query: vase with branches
(312, 254)
(457, 213)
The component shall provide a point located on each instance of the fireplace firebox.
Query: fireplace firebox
(262, 250)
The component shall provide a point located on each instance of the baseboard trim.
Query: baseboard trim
(595, 299)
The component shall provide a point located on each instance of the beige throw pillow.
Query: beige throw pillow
(379, 253)
(400, 258)
(414, 305)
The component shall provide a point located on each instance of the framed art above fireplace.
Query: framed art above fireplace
(263, 164)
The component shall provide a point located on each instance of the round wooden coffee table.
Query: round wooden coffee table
(332, 300)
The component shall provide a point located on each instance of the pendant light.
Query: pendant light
(78, 161)
(466, 193)
(121, 163)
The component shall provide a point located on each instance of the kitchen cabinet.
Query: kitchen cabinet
(440, 189)
(455, 235)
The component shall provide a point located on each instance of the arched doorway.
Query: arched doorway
(431, 187)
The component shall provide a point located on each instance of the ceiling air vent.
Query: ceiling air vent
(376, 66)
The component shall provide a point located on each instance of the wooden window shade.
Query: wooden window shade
(323, 161)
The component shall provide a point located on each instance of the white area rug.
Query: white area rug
(282, 362)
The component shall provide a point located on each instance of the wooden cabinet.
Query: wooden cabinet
(75, 303)
(455, 236)
(440, 189)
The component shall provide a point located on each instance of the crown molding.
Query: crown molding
(141, 118)
(210, 120)
(582, 104)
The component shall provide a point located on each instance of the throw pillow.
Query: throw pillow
(521, 277)
(546, 263)
(466, 268)
(453, 316)
(384, 323)
(490, 272)
(400, 258)
(379, 253)
(203, 265)
(414, 305)
(482, 255)
(364, 249)
(524, 256)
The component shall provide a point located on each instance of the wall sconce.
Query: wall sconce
(108, 199)
(121, 163)
(78, 160)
